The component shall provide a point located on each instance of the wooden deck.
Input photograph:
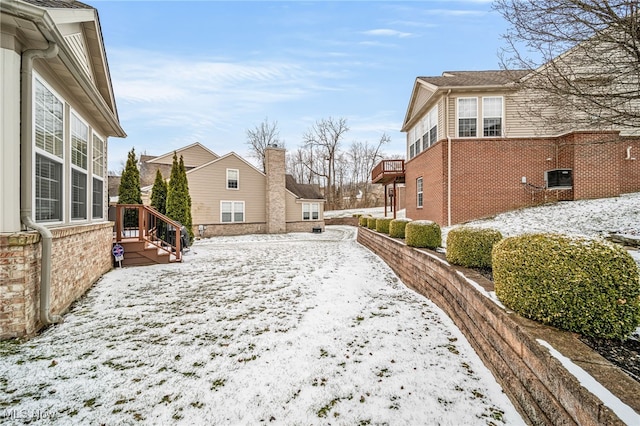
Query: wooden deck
(388, 171)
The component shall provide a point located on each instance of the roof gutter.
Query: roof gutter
(26, 117)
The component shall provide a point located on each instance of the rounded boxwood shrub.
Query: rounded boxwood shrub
(362, 220)
(382, 224)
(397, 227)
(423, 233)
(585, 286)
(471, 247)
(371, 223)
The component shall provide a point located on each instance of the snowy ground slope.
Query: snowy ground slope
(289, 329)
(589, 218)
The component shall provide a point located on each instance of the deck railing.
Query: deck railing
(144, 223)
(387, 168)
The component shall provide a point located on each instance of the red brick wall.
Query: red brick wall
(487, 173)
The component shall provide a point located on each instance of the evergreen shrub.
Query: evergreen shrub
(423, 233)
(382, 225)
(371, 223)
(584, 286)
(397, 227)
(471, 247)
(362, 220)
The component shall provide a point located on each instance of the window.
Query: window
(433, 126)
(231, 211)
(310, 211)
(419, 192)
(79, 146)
(48, 134)
(492, 116)
(559, 179)
(412, 151)
(48, 189)
(232, 178)
(467, 117)
(98, 197)
(98, 180)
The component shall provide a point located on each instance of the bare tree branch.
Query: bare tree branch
(260, 137)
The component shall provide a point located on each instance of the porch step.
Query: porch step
(139, 253)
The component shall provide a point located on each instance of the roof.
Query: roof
(300, 190)
(59, 4)
(475, 78)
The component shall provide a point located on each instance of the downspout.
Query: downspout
(446, 127)
(26, 119)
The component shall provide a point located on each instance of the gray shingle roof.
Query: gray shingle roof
(475, 78)
(59, 4)
(308, 192)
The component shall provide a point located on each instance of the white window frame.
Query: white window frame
(419, 192)
(313, 211)
(433, 123)
(466, 116)
(57, 156)
(98, 166)
(237, 207)
(486, 116)
(237, 187)
(78, 168)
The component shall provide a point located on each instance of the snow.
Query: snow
(623, 411)
(287, 329)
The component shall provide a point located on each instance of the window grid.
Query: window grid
(492, 116)
(310, 211)
(48, 189)
(97, 199)
(78, 195)
(48, 120)
(231, 211)
(232, 179)
(98, 156)
(467, 117)
(79, 142)
(419, 192)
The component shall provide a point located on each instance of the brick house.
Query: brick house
(230, 196)
(472, 153)
(58, 111)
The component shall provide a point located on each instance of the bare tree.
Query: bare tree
(325, 137)
(260, 137)
(582, 58)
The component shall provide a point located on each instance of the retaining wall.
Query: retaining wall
(542, 390)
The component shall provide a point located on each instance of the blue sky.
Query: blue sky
(206, 71)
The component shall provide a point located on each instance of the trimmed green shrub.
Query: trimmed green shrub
(371, 223)
(585, 286)
(382, 224)
(362, 220)
(397, 226)
(423, 233)
(471, 247)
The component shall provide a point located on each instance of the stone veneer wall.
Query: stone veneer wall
(538, 385)
(80, 256)
(305, 225)
(230, 229)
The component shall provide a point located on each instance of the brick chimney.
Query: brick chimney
(276, 208)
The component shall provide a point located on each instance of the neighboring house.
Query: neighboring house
(58, 111)
(472, 152)
(229, 196)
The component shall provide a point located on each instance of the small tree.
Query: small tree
(159, 193)
(129, 189)
(178, 198)
(260, 137)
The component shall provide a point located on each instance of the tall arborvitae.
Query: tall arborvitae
(178, 198)
(129, 189)
(159, 193)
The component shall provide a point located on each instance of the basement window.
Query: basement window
(559, 179)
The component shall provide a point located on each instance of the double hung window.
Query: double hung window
(310, 211)
(233, 179)
(492, 116)
(467, 117)
(419, 192)
(231, 211)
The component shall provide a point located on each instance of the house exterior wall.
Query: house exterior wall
(193, 156)
(87, 248)
(486, 174)
(207, 187)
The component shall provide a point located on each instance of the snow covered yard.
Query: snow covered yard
(288, 329)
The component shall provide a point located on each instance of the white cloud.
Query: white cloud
(385, 32)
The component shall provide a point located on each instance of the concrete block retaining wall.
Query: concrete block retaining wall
(542, 390)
